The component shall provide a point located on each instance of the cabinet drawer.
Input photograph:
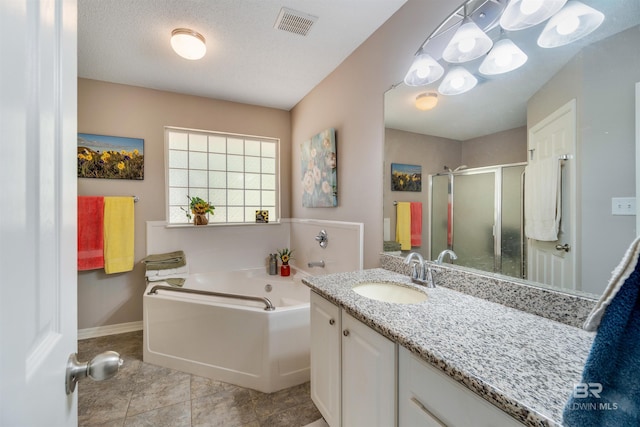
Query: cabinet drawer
(429, 398)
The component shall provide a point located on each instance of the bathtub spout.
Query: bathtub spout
(316, 263)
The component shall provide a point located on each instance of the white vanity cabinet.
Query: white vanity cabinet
(428, 398)
(326, 333)
(353, 369)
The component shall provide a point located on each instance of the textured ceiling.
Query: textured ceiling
(247, 60)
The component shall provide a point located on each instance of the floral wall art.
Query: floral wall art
(319, 171)
(103, 156)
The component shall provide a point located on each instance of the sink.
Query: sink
(389, 292)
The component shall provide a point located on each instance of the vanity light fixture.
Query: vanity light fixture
(426, 101)
(188, 43)
(468, 43)
(424, 70)
(521, 14)
(458, 80)
(504, 57)
(573, 22)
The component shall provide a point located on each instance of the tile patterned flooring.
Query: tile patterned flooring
(142, 394)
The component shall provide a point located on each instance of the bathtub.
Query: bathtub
(232, 340)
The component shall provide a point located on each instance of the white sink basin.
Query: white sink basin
(389, 292)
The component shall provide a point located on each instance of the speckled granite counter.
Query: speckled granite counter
(524, 364)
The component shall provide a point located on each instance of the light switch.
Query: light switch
(623, 206)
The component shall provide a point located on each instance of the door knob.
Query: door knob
(103, 366)
(564, 247)
(345, 332)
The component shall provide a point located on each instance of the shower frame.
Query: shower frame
(497, 212)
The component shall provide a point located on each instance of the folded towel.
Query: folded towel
(90, 229)
(169, 258)
(416, 223)
(389, 246)
(403, 225)
(543, 199)
(175, 282)
(609, 394)
(167, 272)
(118, 234)
(169, 277)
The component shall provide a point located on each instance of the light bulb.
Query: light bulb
(467, 45)
(529, 7)
(568, 25)
(457, 82)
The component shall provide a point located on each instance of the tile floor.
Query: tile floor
(142, 394)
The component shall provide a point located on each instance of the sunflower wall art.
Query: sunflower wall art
(319, 171)
(103, 156)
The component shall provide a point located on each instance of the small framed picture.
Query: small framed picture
(262, 217)
(406, 177)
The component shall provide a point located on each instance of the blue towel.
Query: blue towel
(609, 394)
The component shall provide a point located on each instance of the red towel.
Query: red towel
(416, 224)
(90, 232)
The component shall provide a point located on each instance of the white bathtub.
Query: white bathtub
(228, 339)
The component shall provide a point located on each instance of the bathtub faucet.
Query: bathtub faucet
(316, 263)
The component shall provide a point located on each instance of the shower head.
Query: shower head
(459, 168)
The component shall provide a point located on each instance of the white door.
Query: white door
(38, 326)
(555, 136)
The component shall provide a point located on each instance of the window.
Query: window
(238, 174)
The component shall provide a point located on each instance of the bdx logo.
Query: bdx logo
(584, 390)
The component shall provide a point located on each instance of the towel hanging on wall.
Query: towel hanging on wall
(416, 224)
(403, 225)
(543, 199)
(118, 234)
(90, 232)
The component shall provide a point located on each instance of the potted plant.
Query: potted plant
(199, 208)
(285, 256)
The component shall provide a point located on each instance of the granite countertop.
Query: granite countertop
(525, 364)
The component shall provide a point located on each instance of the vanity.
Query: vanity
(450, 360)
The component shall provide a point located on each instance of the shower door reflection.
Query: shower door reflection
(478, 214)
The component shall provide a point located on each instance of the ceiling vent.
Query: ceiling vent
(294, 21)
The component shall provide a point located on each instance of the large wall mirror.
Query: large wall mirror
(475, 129)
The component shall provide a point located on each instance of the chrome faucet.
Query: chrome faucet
(420, 272)
(449, 252)
(417, 271)
(316, 263)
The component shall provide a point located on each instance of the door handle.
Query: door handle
(102, 367)
(564, 247)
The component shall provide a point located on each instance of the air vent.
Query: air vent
(294, 21)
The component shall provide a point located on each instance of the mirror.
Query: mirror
(493, 123)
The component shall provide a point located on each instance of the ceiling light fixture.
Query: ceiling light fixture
(521, 14)
(573, 22)
(424, 70)
(188, 43)
(504, 57)
(468, 43)
(458, 80)
(426, 101)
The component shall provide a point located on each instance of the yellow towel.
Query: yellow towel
(403, 225)
(118, 234)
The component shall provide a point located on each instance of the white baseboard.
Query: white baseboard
(101, 331)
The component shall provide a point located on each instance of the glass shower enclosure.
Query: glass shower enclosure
(478, 213)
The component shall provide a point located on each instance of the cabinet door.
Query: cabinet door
(368, 376)
(429, 398)
(325, 358)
